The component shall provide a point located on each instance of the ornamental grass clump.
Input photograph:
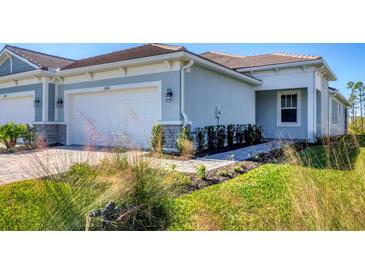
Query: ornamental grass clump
(157, 139)
(185, 143)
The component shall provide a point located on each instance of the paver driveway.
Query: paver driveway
(40, 163)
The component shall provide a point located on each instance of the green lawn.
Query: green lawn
(310, 191)
(283, 196)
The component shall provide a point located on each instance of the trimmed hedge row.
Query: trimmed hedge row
(217, 137)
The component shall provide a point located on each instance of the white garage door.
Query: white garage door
(17, 110)
(114, 118)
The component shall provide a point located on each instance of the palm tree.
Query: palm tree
(357, 91)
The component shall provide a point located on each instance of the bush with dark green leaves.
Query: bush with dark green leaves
(211, 137)
(230, 135)
(221, 136)
(239, 134)
(200, 138)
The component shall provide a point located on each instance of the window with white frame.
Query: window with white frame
(289, 103)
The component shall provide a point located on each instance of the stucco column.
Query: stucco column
(45, 100)
(311, 114)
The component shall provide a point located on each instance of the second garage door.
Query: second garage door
(114, 118)
(16, 109)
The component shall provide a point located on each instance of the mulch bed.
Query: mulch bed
(219, 175)
(16, 150)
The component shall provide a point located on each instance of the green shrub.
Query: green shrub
(200, 138)
(239, 134)
(29, 136)
(157, 139)
(211, 137)
(249, 134)
(230, 135)
(10, 132)
(221, 136)
(201, 171)
(258, 135)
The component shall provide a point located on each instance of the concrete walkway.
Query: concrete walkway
(245, 153)
(40, 163)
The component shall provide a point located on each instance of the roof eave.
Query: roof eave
(225, 70)
(332, 75)
(340, 97)
(151, 59)
(27, 74)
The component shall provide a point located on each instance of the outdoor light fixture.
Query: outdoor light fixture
(168, 95)
(59, 103)
(36, 102)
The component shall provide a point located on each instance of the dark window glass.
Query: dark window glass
(294, 100)
(282, 101)
(289, 115)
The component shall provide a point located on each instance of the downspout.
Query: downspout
(182, 90)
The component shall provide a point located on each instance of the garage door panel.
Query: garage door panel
(17, 109)
(115, 118)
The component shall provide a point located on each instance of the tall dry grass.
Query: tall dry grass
(327, 186)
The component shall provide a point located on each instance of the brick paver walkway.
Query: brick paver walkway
(16, 167)
(40, 163)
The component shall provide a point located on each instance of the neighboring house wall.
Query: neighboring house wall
(170, 110)
(337, 117)
(14, 65)
(5, 67)
(37, 88)
(205, 90)
(20, 66)
(267, 116)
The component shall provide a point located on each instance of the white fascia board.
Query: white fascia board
(26, 74)
(159, 58)
(291, 65)
(108, 66)
(223, 69)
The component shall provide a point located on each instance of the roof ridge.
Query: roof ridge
(128, 50)
(296, 55)
(167, 46)
(227, 54)
(38, 52)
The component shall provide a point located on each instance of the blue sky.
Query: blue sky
(346, 60)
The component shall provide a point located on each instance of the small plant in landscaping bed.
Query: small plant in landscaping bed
(10, 132)
(223, 173)
(157, 139)
(200, 138)
(185, 145)
(201, 172)
(230, 135)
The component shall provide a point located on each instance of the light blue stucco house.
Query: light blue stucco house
(116, 98)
